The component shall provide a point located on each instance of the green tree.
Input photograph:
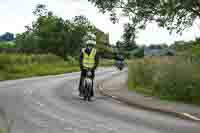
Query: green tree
(119, 44)
(40, 10)
(50, 33)
(7, 37)
(129, 37)
(81, 27)
(172, 14)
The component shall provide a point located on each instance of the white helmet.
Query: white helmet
(90, 39)
(91, 42)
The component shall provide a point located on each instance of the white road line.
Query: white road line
(191, 116)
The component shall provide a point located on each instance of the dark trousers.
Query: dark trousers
(83, 75)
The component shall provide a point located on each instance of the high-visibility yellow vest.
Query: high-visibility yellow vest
(89, 60)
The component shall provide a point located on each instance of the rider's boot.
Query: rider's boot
(80, 94)
(80, 87)
(92, 92)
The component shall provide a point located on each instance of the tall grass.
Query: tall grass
(172, 78)
(14, 66)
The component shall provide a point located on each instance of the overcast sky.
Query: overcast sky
(15, 14)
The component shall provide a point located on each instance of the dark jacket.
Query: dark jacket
(96, 59)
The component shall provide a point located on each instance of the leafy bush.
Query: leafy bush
(72, 60)
(168, 77)
(7, 45)
(196, 51)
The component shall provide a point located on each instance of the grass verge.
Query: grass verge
(15, 66)
(2, 130)
(169, 78)
(23, 71)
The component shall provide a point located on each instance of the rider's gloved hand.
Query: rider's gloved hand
(93, 69)
(81, 67)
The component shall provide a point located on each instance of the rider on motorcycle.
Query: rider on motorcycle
(88, 59)
(119, 60)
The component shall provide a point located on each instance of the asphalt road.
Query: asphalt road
(51, 105)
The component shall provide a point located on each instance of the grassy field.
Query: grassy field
(14, 66)
(170, 78)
